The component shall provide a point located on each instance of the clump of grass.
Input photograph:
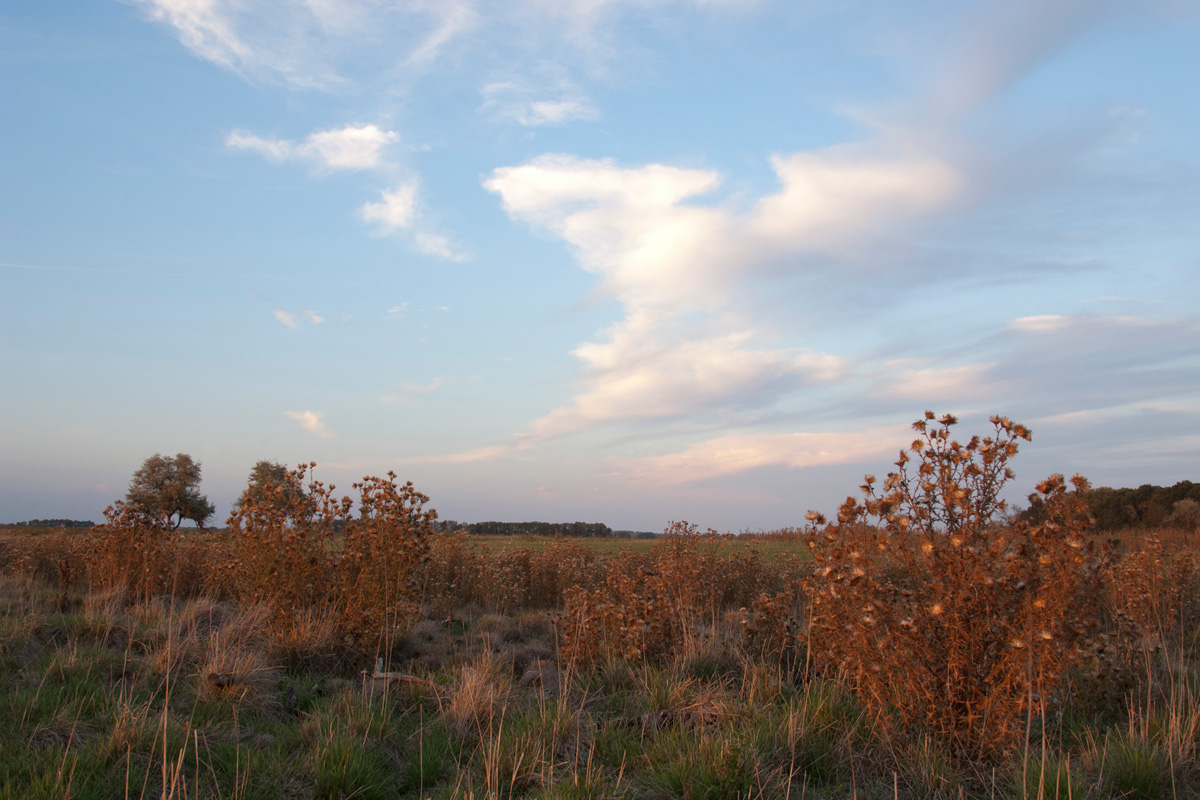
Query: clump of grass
(234, 667)
(480, 689)
(1131, 767)
(1049, 778)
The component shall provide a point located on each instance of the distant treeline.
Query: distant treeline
(580, 529)
(1147, 506)
(56, 523)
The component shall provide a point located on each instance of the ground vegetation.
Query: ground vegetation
(330, 647)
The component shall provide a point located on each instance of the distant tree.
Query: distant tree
(167, 489)
(270, 483)
(1186, 514)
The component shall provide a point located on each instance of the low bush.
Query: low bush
(378, 566)
(941, 619)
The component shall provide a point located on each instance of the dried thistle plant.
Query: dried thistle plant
(378, 566)
(941, 618)
(283, 545)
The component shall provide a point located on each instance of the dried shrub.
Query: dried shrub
(127, 553)
(505, 579)
(560, 565)
(940, 618)
(1151, 602)
(1153, 592)
(378, 567)
(771, 628)
(194, 564)
(646, 606)
(628, 616)
(57, 558)
(458, 575)
(282, 554)
(297, 550)
(452, 573)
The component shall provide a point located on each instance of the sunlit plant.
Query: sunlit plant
(940, 617)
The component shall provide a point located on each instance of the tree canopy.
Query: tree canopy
(167, 489)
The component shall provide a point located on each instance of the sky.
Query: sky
(620, 261)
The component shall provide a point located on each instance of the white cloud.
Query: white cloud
(1041, 323)
(739, 452)
(632, 376)
(287, 319)
(354, 147)
(910, 379)
(834, 199)
(294, 321)
(396, 210)
(276, 150)
(434, 244)
(312, 421)
(683, 270)
(395, 311)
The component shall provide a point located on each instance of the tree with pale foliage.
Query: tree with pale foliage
(1186, 514)
(167, 490)
(272, 483)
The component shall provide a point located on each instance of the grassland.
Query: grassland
(767, 546)
(494, 692)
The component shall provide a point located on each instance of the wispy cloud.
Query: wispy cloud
(637, 376)
(434, 244)
(354, 147)
(287, 319)
(295, 321)
(205, 28)
(312, 421)
(915, 380)
(740, 452)
(335, 45)
(1041, 323)
(998, 44)
(530, 106)
(410, 390)
(311, 44)
(453, 17)
(398, 211)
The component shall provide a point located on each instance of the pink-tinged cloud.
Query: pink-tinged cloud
(739, 452)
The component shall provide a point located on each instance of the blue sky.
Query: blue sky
(626, 261)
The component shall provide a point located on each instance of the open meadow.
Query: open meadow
(913, 648)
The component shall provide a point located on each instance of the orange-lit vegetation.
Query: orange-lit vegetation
(942, 619)
(920, 646)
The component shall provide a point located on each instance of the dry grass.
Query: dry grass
(922, 652)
